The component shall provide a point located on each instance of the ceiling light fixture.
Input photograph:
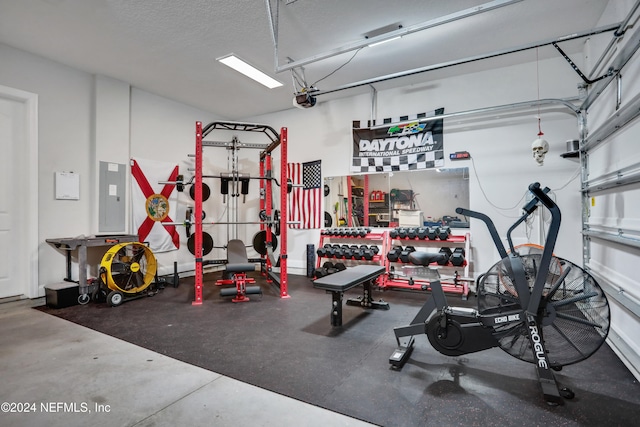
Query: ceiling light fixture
(250, 71)
(383, 34)
(384, 41)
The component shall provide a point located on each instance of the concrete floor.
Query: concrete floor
(57, 373)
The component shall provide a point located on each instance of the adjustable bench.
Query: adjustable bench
(237, 267)
(344, 280)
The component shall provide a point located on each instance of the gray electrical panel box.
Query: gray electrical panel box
(112, 195)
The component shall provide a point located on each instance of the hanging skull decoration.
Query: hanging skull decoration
(540, 147)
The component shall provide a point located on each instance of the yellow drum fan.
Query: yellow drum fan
(127, 270)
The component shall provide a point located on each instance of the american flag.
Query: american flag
(305, 202)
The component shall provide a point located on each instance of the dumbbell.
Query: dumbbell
(422, 233)
(346, 251)
(394, 254)
(367, 253)
(319, 272)
(339, 266)
(411, 233)
(337, 251)
(328, 268)
(447, 255)
(328, 250)
(393, 233)
(444, 233)
(404, 254)
(432, 233)
(370, 252)
(457, 257)
(322, 252)
(363, 232)
(402, 232)
(357, 252)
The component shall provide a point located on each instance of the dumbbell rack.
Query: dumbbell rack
(381, 237)
(378, 237)
(459, 285)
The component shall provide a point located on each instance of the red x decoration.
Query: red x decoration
(147, 190)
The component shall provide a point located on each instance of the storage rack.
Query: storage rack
(458, 285)
(378, 237)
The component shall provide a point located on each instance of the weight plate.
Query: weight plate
(207, 243)
(260, 242)
(328, 220)
(206, 192)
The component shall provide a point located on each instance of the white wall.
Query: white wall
(500, 147)
(85, 119)
(65, 139)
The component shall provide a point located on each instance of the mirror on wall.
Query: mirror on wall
(408, 198)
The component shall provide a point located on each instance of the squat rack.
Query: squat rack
(266, 191)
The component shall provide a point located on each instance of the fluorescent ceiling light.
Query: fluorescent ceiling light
(384, 41)
(249, 71)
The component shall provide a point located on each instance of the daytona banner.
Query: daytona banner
(407, 143)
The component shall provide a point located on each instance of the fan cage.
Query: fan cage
(129, 267)
(573, 313)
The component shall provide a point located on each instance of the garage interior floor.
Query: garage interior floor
(160, 361)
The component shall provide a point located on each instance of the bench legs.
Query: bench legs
(336, 308)
(365, 301)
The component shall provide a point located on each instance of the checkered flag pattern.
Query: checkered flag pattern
(398, 163)
(398, 144)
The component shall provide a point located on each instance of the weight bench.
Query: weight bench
(344, 280)
(238, 265)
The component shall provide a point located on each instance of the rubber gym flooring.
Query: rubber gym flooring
(289, 346)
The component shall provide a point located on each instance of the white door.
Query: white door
(16, 227)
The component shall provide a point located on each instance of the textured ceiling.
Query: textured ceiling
(169, 47)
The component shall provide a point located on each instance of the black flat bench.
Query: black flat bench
(344, 280)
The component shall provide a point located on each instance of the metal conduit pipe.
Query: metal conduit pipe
(467, 60)
(527, 104)
(616, 35)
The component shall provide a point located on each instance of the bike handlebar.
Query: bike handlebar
(541, 195)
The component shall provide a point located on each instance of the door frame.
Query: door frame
(29, 179)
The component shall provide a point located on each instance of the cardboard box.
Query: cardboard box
(411, 218)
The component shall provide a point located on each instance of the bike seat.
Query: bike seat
(425, 258)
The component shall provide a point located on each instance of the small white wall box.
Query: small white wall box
(61, 295)
(407, 218)
(67, 186)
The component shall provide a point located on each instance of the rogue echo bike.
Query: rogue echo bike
(537, 307)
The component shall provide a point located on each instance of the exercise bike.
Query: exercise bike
(537, 307)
